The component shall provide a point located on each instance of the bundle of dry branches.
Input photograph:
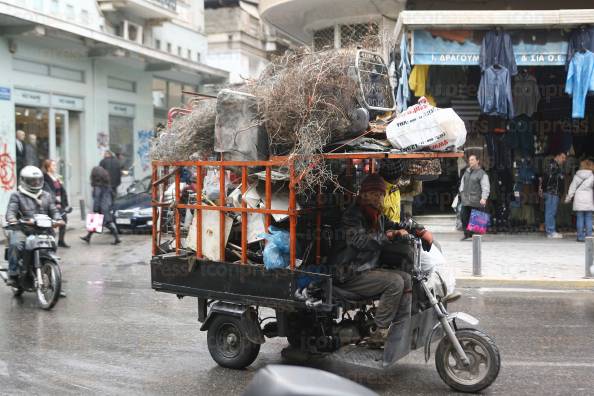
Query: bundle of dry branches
(305, 100)
(190, 137)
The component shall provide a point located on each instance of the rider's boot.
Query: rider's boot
(114, 230)
(378, 338)
(12, 280)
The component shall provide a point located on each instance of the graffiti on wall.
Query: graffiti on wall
(144, 148)
(7, 170)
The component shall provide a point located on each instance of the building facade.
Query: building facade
(238, 40)
(81, 77)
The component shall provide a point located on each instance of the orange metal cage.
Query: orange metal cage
(161, 174)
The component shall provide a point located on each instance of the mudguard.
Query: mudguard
(464, 317)
(247, 315)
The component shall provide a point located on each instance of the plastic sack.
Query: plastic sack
(94, 222)
(276, 252)
(479, 222)
(434, 260)
(424, 127)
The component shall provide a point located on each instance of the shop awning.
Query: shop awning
(454, 37)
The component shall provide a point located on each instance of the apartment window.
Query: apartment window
(169, 47)
(84, 17)
(67, 74)
(158, 44)
(30, 67)
(121, 84)
(70, 12)
(197, 56)
(190, 54)
(55, 7)
(179, 50)
(324, 39)
(159, 93)
(38, 5)
(174, 94)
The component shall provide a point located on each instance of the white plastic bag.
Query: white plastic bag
(434, 260)
(424, 127)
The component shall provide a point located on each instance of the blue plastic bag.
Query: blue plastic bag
(276, 252)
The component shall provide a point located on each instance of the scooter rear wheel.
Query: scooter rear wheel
(228, 344)
(483, 354)
(48, 295)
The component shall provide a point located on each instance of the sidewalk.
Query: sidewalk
(521, 258)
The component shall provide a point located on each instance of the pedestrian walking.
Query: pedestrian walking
(103, 202)
(53, 185)
(581, 191)
(474, 191)
(551, 189)
(114, 167)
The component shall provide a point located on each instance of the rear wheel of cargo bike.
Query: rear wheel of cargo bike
(228, 344)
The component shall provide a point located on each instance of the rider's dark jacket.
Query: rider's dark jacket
(21, 206)
(358, 247)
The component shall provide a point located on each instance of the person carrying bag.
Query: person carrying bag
(581, 191)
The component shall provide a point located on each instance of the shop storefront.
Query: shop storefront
(514, 146)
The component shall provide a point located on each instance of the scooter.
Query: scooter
(39, 269)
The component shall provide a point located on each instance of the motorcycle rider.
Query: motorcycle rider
(24, 204)
(357, 265)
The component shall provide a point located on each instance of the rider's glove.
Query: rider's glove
(426, 239)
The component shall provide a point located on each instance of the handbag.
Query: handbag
(94, 222)
(479, 222)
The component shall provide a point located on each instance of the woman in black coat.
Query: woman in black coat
(103, 202)
(54, 186)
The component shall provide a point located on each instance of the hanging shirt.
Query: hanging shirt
(497, 49)
(418, 82)
(402, 91)
(495, 94)
(579, 38)
(580, 79)
(526, 94)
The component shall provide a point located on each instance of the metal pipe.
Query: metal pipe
(244, 215)
(476, 256)
(155, 209)
(177, 199)
(222, 202)
(292, 216)
(589, 257)
(268, 196)
(199, 212)
(83, 211)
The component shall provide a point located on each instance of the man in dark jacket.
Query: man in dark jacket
(474, 191)
(113, 166)
(551, 189)
(357, 265)
(29, 200)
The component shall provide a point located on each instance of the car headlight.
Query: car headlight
(145, 212)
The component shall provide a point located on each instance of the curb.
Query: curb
(567, 284)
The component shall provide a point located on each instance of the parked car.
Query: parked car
(133, 211)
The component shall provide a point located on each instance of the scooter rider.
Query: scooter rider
(357, 265)
(24, 204)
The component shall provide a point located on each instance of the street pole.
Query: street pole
(476, 256)
(589, 257)
(83, 212)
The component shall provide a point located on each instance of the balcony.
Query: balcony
(145, 9)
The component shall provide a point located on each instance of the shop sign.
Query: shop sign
(120, 109)
(32, 98)
(67, 102)
(531, 48)
(4, 93)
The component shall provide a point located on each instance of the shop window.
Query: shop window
(159, 93)
(324, 39)
(121, 139)
(32, 126)
(30, 67)
(67, 74)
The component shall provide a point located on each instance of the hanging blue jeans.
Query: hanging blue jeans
(551, 204)
(583, 224)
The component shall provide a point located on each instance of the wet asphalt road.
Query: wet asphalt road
(114, 335)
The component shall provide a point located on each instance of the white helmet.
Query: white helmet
(31, 179)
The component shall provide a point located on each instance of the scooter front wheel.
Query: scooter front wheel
(482, 353)
(49, 293)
